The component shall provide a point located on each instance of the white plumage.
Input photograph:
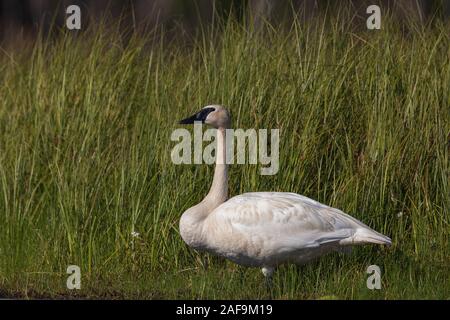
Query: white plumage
(265, 229)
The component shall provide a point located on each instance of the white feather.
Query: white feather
(265, 229)
(269, 228)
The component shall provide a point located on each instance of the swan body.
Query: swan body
(265, 229)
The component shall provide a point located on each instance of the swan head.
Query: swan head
(214, 115)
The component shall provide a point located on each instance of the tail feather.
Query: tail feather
(367, 236)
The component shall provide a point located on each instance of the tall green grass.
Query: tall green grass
(85, 125)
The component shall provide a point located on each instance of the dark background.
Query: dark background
(21, 18)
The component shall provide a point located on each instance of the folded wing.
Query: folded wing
(277, 222)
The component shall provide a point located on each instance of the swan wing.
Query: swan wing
(277, 222)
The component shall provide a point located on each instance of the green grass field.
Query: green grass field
(85, 125)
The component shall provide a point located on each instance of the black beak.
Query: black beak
(189, 120)
(199, 116)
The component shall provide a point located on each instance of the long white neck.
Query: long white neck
(191, 221)
(218, 193)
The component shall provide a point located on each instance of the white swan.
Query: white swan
(264, 229)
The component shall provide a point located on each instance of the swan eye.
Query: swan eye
(203, 114)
